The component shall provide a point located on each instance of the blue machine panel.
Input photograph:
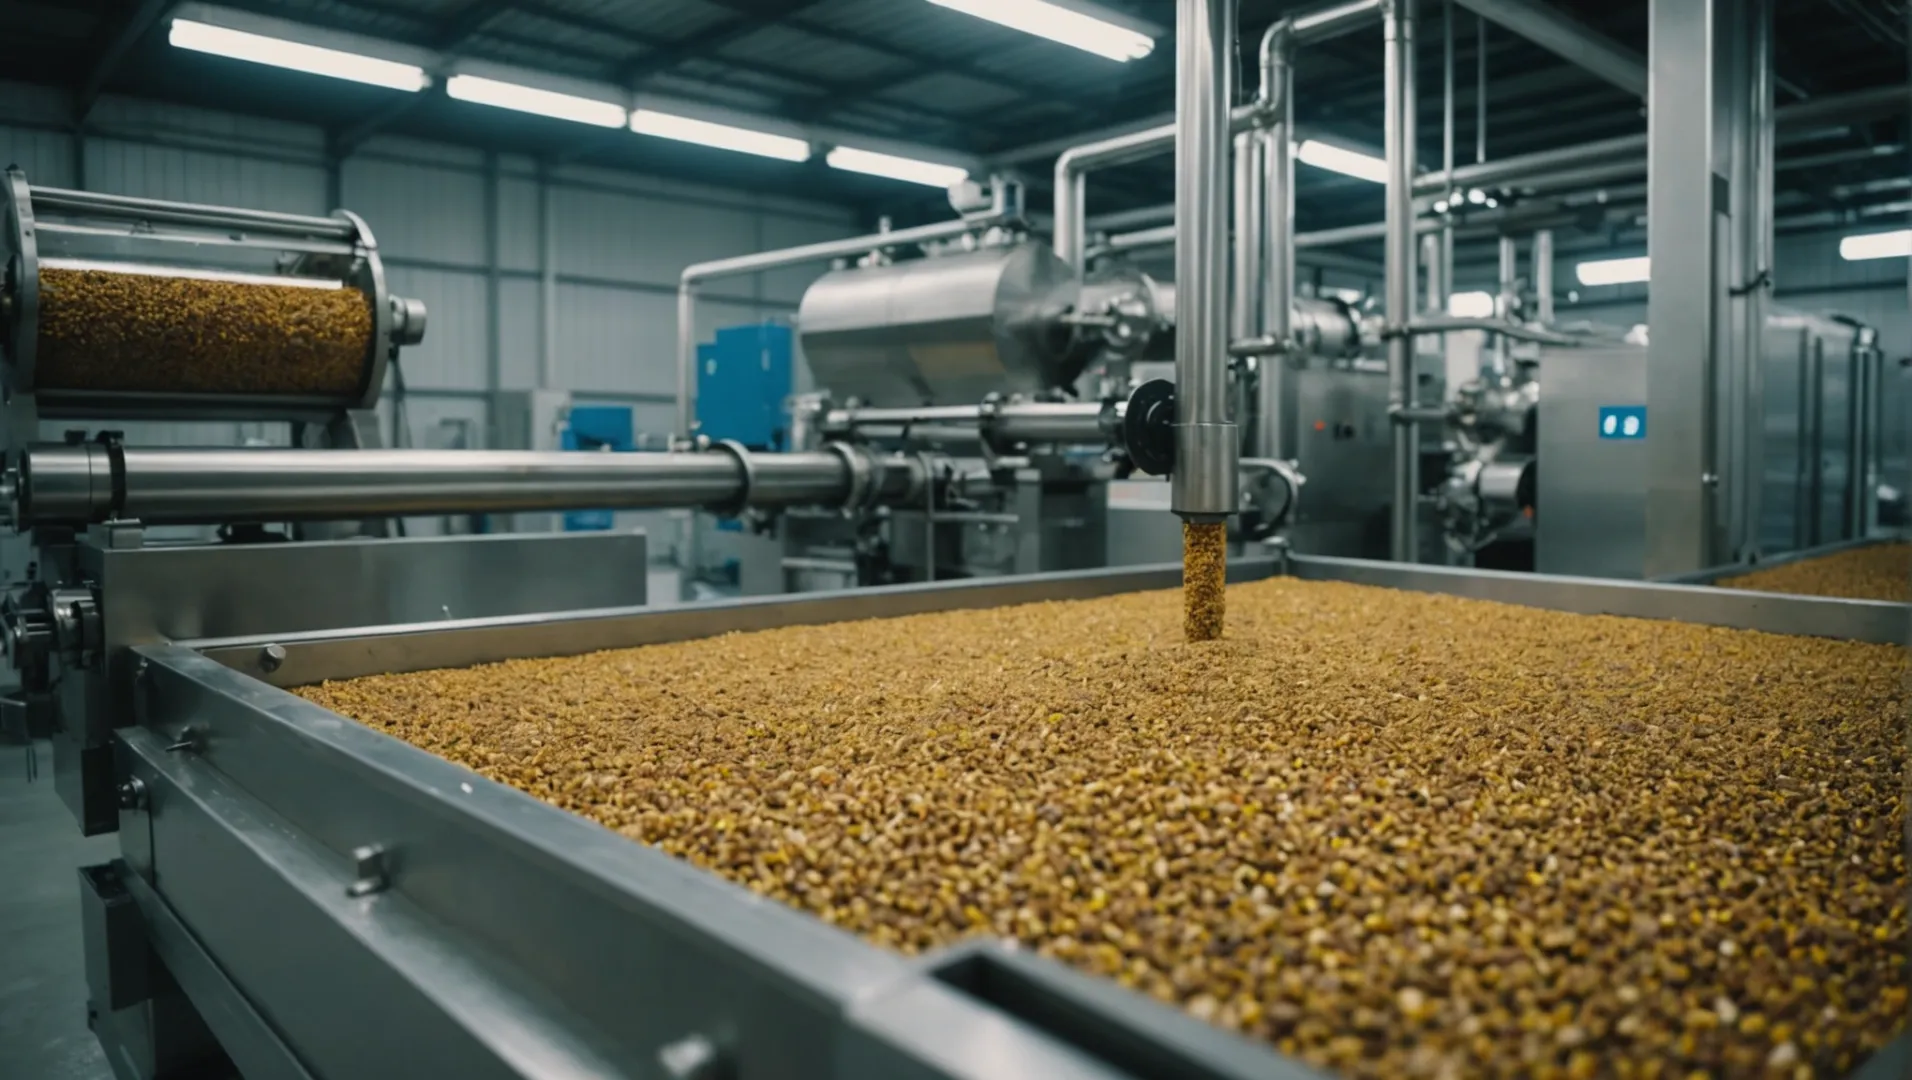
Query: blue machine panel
(1623, 421)
(606, 428)
(743, 379)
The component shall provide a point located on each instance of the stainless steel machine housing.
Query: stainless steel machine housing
(945, 329)
(303, 896)
(43, 227)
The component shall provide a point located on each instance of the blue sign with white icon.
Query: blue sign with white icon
(1623, 421)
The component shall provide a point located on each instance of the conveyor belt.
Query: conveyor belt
(1395, 833)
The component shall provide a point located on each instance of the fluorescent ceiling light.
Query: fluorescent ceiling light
(1884, 245)
(723, 136)
(1612, 271)
(1350, 162)
(530, 99)
(1472, 305)
(239, 45)
(896, 168)
(1067, 24)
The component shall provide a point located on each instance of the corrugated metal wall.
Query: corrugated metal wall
(617, 242)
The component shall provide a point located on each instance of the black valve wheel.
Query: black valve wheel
(1148, 427)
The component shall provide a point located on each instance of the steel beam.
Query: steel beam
(1562, 34)
(108, 63)
(453, 40)
(1688, 200)
(1749, 276)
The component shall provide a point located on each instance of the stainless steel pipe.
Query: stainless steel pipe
(1275, 98)
(1630, 150)
(1245, 283)
(1544, 276)
(1070, 229)
(1205, 484)
(1398, 120)
(1002, 210)
(134, 208)
(1517, 331)
(1506, 307)
(1006, 424)
(75, 484)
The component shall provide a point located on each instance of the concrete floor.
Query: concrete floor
(43, 1031)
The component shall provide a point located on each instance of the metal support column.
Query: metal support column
(1506, 302)
(494, 301)
(1749, 275)
(1245, 315)
(1398, 35)
(1447, 146)
(1480, 91)
(1435, 287)
(547, 282)
(1544, 276)
(1688, 199)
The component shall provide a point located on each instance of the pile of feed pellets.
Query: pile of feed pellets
(103, 330)
(1393, 834)
(1875, 572)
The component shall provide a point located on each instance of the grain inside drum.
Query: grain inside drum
(127, 332)
(1395, 834)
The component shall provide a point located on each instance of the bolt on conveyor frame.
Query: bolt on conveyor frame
(297, 873)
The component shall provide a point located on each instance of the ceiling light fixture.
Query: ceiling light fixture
(278, 52)
(722, 136)
(506, 95)
(1896, 244)
(1471, 305)
(1347, 162)
(1076, 24)
(931, 173)
(1612, 271)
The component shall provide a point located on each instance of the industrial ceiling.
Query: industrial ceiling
(916, 73)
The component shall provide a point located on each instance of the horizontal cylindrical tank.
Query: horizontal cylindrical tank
(942, 330)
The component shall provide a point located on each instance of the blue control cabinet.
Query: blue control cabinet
(606, 428)
(743, 379)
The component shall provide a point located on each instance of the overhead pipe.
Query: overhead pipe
(1205, 483)
(1275, 98)
(1630, 150)
(1308, 245)
(1004, 208)
(1567, 168)
(1545, 28)
(1070, 235)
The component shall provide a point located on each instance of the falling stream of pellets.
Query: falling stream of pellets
(1204, 575)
